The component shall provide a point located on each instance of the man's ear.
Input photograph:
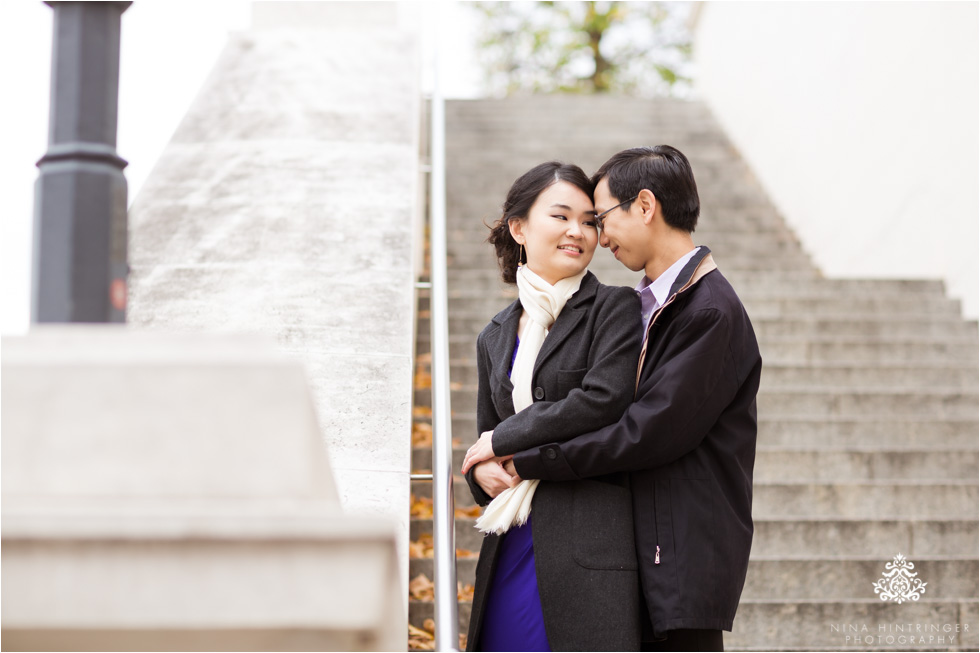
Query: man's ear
(648, 202)
(516, 227)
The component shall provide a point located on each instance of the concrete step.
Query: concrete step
(782, 466)
(869, 350)
(778, 375)
(894, 307)
(827, 432)
(875, 537)
(947, 326)
(790, 625)
(849, 578)
(949, 499)
(936, 403)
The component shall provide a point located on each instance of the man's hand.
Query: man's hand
(490, 476)
(511, 469)
(482, 450)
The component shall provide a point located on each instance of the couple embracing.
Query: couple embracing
(618, 425)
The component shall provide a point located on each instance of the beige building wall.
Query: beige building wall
(860, 120)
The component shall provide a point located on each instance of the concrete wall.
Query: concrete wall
(286, 204)
(166, 492)
(860, 120)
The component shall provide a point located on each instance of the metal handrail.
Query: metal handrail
(443, 509)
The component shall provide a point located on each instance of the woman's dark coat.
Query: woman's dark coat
(583, 379)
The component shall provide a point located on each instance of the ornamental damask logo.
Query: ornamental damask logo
(899, 583)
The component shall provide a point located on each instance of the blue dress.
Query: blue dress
(512, 617)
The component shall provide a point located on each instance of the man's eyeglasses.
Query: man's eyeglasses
(600, 216)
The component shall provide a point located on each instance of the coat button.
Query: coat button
(551, 453)
(539, 393)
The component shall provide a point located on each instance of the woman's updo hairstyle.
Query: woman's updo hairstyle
(521, 197)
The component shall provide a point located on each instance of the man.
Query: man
(689, 438)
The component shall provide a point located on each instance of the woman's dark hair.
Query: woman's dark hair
(520, 199)
(663, 170)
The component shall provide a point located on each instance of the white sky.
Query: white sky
(168, 49)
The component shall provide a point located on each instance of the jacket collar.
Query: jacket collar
(509, 319)
(700, 264)
(696, 269)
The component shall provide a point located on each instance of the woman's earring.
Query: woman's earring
(520, 257)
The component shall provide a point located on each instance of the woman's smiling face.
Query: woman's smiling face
(559, 234)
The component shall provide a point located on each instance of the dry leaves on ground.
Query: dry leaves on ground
(422, 547)
(421, 411)
(421, 588)
(420, 640)
(468, 513)
(423, 376)
(424, 638)
(421, 507)
(421, 434)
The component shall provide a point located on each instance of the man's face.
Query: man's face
(622, 230)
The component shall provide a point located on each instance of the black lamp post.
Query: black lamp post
(80, 262)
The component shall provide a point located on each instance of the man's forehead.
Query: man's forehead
(602, 196)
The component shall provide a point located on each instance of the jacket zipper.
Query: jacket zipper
(656, 528)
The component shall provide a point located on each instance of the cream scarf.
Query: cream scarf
(542, 302)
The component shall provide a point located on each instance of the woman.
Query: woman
(557, 570)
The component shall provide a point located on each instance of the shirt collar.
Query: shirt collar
(655, 292)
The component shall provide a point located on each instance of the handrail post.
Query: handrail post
(443, 529)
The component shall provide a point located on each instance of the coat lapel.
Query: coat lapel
(502, 354)
(573, 313)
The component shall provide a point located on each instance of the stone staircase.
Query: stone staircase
(868, 410)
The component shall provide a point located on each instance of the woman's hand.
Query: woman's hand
(490, 476)
(482, 450)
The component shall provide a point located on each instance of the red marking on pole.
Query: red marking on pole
(118, 294)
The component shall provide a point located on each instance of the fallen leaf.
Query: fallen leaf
(421, 434)
(422, 547)
(468, 513)
(464, 553)
(420, 640)
(421, 508)
(421, 588)
(422, 411)
(464, 592)
(429, 625)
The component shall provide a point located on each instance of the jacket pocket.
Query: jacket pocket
(602, 526)
(568, 380)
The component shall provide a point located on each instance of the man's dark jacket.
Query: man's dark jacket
(689, 442)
